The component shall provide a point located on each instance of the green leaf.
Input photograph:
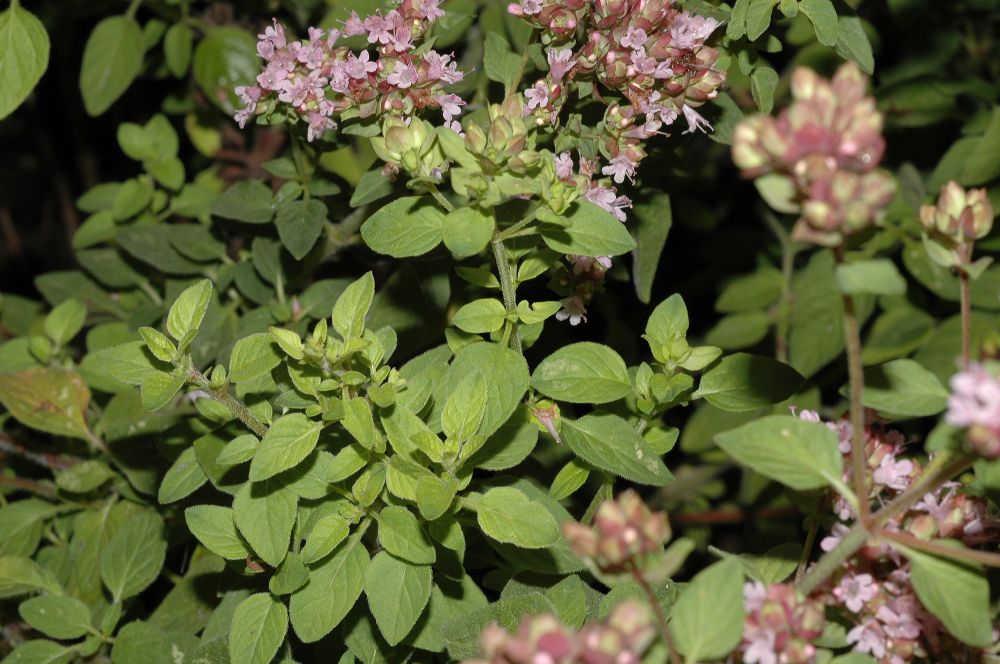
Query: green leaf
(668, 321)
(763, 83)
(65, 321)
(397, 593)
(290, 439)
(467, 231)
(583, 372)
(740, 330)
(464, 409)
(49, 400)
(188, 311)
(508, 515)
(592, 231)
(250, 201)
(799, 454)
(57, 616)
(258, 629)
(743, 382)
(499, 62)
(610, 443)
(177, 46)
(653, 221)
(324, 537)
(40, 651)
(402, 536)
(958, 594)
(852, 43)
(359, 422)
(707, 621)
(752, 292)
(265, 514)
(983, 164)
(332, 591)
(903, 388)
(351, 308)
(184, 477)
(759, 17)
(481, 316)
(151, 244)
(112, 59)
(253, 356)
(877, 276)
(214, 527)
(24, 58)
(408, 226)
(225, 58)
(134, 557)
(20, 575)
(372, 186)
(505, 372)
(159, 387)
(738, 19)
(824, 20)
(84, 477)
(299, 224)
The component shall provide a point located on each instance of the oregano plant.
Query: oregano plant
(542, 332)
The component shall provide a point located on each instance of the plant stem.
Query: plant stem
(51, 461)
(439, 197)
(235, 406)
(661, 619)
(831, 562)
(513, 230)
(937, 549)
(133, 7)
(521, 66)
(507, 286)
(855, 370)
(28, 485)
(963, 284)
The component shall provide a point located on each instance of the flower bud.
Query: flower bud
(961, 216)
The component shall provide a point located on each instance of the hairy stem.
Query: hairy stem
(937, 549)
(963, 283)
(603, 493)
(831, 562)
(235, 406)
(807, 548)
(28, 485)
(51, 461)
(855, 370)
(439, 197)
(507, 286)
(661, 620)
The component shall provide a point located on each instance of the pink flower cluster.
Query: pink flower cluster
(622, 638)
(975, 405)
(824, 149)
(780, 627)
(874, 587)
(625, 531)
(317, 81)
(649, 55)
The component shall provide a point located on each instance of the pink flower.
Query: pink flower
(564, 166)
(689, 31)
(643, 63)
(402, 40)
(695, 121)
(855, 590)
(760, 646)
(634, 38)
(428, 9)
(619, 168)
(440, 67)
(608, 199)
(893, 473)
(559, 63)
(403, 76)
(354, 25)
(572, 310)
(538, 95)
(830, 542)
(975, 399)
(525, 8)
(358, 67)
(451, 106)
(378, 29)
(868, 637)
